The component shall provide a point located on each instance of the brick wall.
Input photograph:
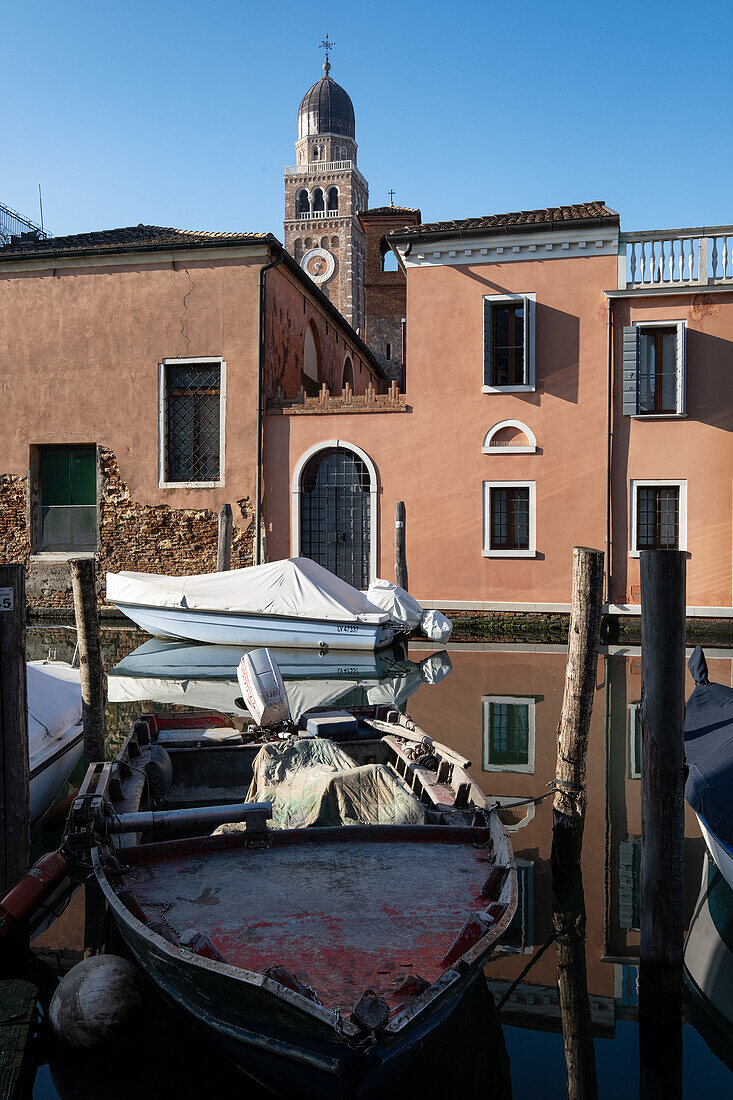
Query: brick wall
(157, 539)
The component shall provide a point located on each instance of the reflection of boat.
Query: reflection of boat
(204, 676)
(55, 736)
(291, 603)
(321, 957)
(709, 755)
(709, 963)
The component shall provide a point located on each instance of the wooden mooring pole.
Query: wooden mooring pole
(577, 706)
(84, 587)
(14, 767)
(400, 555)
(663, 600)
(568, 925)
(224, 544)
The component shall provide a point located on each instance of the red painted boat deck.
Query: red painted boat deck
(342, 917)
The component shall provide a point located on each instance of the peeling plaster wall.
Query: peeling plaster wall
(132, 535)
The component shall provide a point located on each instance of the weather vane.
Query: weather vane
(326, 45)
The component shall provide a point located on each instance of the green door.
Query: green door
(68, 504)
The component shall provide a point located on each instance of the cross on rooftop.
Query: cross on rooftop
(326, 45)
(391, 197)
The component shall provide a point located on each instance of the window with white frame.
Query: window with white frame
(634, 753)
(654, 368)
(508, 343)
(508, 734)
(191, 422)
(509, 519)
(658, 509)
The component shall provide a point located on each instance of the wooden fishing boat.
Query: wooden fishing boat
(318, 958)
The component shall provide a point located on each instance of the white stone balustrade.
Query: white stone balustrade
(676, 257)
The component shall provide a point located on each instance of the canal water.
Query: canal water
(497, 704)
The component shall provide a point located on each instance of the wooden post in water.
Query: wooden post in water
(84, 587)
(663, 599)
(400, 556)
(224, 544)
(577, 705)
(568, 924)
(14, 767)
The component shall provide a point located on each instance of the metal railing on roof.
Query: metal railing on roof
(14, 225)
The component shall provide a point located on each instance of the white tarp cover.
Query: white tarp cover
(436, 626)
(54, 700)
(313, 782)
(399, 604)
(293, 588)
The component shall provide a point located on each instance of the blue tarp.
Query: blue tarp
(709, 751)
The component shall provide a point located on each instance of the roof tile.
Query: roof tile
(577, 212)
(138, 236)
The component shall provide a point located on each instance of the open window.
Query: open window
(509, 343)
(654, 368)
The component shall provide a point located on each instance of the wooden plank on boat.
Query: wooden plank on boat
(17, 1014)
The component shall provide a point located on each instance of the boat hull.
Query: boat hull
(287, 1052)
(721, 854)
(49, 774)
(254, 630)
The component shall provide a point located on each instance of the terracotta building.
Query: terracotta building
(566, 384)
(135, 365)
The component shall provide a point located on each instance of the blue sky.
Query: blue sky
(184, 113)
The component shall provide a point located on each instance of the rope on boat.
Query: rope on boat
(528, 967)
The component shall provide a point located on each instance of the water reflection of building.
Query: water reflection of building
(501, 707)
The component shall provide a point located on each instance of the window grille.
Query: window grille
(510, 518)
(658, 518)
(192, 422)
(336, 515)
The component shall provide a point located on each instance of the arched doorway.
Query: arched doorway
(335, 510)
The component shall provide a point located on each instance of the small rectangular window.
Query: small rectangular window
(508, 342)
(66, 509)
(654, 368)
(658, 516)
(191, 422)
(509, 519)
(508, 733)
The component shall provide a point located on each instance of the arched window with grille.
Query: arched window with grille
(336, 493)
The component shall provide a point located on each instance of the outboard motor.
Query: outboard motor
(263, 690)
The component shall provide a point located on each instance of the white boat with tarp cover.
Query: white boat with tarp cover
(291, 603)
(55, 734)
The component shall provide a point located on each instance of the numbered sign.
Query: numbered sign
(6, 599)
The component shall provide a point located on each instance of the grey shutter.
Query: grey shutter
(488, 339)
(681, 368)
(528, 340)
(630, 406)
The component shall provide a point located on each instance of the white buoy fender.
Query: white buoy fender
(100, 998)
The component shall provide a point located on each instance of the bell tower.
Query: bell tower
(324, 193)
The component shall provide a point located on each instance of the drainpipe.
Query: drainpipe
(260, 404)
(609, 429)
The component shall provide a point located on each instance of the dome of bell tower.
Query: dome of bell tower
(326, 109)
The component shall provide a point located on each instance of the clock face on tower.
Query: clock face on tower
(319, 264)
